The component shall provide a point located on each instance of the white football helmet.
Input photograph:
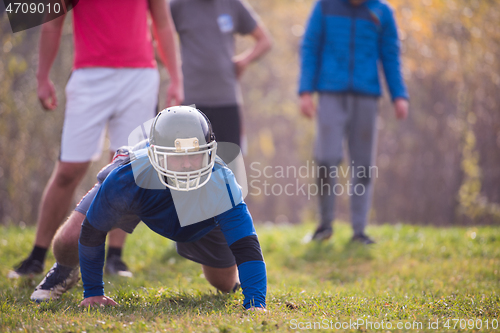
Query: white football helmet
(182, 148)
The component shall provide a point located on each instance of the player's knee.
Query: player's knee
(223, 279)
(227, 286)
(61, 246)
(69, 232)
(65, 241)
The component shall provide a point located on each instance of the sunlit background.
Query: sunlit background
(441, 166)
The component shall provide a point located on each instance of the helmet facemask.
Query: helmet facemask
(185, 167)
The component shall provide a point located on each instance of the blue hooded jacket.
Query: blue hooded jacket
(342, 47)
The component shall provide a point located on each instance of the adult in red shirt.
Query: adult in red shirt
(114, 84)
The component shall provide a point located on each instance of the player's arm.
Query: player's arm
(262, 45)
(238, 229)
(50, 37)
(91, 249)
(107, 208)
(164, 32)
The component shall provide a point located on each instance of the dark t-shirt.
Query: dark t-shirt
(206, 29)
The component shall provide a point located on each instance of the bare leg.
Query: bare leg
(65, 244)
(116, 238)
(57, 198)
(224, 279)
(65, 273)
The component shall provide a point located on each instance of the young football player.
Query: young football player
(181, 190)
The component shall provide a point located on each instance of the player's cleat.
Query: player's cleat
(116, 266)
(27, 267)
(57, 281)
(362, 238)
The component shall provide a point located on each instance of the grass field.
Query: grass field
(416, 278)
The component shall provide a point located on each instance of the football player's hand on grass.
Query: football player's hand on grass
(97, 300)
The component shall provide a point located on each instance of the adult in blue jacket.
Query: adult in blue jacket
(343, 45)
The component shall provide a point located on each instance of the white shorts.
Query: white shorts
(117, 98)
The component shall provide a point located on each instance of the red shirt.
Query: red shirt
(112, 33)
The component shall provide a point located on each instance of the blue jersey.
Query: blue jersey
(134, 189)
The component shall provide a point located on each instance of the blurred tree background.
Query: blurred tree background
(441, 166)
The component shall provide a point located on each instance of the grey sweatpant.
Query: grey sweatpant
(353, 117)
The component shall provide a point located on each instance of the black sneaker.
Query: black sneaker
(362, 238)
(322, 234)
(116, 266)
(57, 281)
(28, 267)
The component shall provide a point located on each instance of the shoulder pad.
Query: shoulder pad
(219, 161)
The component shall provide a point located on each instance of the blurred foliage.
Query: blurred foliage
(440, 166)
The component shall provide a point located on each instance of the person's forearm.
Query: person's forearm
(254, 53)
(91, 250)
(252, 270)
(50, 38)
(167, 50)
(253, 280)
(262, 45)
(239, 232)
(91, 266)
